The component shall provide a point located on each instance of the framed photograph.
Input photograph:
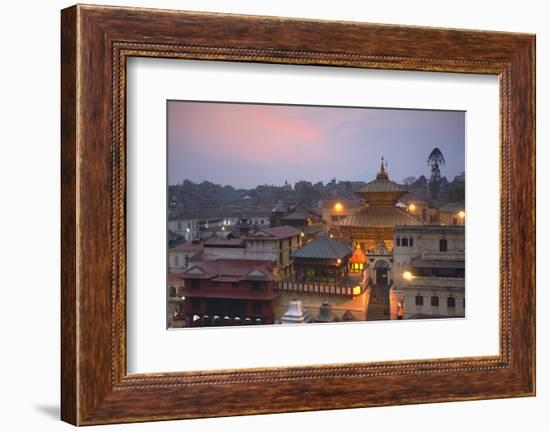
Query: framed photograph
(330, 214)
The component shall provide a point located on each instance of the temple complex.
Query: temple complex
(372, 225)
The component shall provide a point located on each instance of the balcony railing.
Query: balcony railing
(318, 288)
(435, 282)
(443, 255)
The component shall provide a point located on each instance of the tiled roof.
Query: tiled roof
(188, 247)
(314, 228)
(297, 215)
(381, 186)
(323, 247)
(231, 270)
(379, 216)
(278, 232)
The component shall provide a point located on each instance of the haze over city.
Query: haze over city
(245, 145)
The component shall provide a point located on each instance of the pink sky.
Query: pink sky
(248, 144)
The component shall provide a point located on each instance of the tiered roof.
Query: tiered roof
(381, 211)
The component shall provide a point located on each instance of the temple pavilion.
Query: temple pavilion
(372, 226)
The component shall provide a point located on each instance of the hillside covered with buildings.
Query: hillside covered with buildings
(317, 252)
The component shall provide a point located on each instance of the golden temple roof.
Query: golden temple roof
(382, 189)
(379, 216)
(382, 186)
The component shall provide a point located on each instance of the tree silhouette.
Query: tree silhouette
(435, 160)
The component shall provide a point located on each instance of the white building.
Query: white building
(186, 226)
(428, 274)
(196, 225)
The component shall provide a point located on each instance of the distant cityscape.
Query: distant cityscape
(318, 252)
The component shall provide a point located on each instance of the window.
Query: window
(424, 214)
(411, 243)
(434, 301)
(290, 242)
(256, 285)
(451, 302)
(455, 221)
(172, 291)
(177, 260)
(442, 245)
(419, 300)
(280, 258)
(398, 242)
(235, 285)
(195, 284)
(405, 242)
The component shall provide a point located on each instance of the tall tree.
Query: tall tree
(435, 161)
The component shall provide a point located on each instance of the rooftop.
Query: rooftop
(416, 228)
(224, 242)
(375, 216)
(382, 186)
(278, 232)
(323, 247)
(188, 247)
(231, 270)
(296, 215)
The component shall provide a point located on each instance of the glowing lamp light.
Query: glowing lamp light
(412, 207)
(461, 214)
(339, 261)
(356, 290)
(302, 234)
(338, 207)
(407, 275)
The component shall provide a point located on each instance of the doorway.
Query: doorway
(381, 268)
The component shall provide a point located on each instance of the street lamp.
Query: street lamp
(407, 275)
(338, 207)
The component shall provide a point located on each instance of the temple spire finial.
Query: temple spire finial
(382, 174)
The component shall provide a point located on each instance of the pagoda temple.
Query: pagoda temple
(372, 226)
